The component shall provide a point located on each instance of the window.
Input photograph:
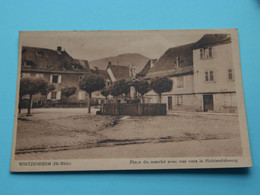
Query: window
(210, 52)
(206, 53)
(75, 66)
(206, 76)
(55, 78)
(37, 75)
(230, 75)
(28, 63)
(108, 83)
(178, 100)
(26, 75)
(180, 82)
(81, 95)
(202, 54)
(54, 95)
(209, 76)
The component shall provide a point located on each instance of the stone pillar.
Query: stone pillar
(132, 93)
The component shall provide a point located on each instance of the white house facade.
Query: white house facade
(204, 83)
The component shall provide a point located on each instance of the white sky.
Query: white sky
(91, 45)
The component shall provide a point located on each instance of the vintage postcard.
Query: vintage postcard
(123, 100)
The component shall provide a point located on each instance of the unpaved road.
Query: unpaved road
(72, 133)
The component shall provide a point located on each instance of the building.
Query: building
(202, 73)
(146, 68)
(58, 68)
(97, 97)
(120, 72)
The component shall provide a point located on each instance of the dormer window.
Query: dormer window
(206, 53)
(38, 53)
(178, 61)
(59, 49)
(28, 63)
(75, 67)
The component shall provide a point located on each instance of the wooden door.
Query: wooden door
(208, 103)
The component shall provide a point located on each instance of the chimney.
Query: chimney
(151, 63)
(59, 48)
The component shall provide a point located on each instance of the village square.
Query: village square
(182, 104)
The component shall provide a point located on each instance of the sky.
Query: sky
(92, 45)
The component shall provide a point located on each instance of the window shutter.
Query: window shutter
(206, 53)
(59, 79)
(49, 96)
(51, 78)
(58, 95)
(81, 95)
(211, 76)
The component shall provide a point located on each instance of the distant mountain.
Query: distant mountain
(124, 59)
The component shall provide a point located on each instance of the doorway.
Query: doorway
(170, 103)
(208, 104)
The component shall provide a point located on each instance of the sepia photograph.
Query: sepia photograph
(140, 99)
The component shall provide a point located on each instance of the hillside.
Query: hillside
(124, 59)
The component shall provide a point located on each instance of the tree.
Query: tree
(161, 85)
(91, 83)
(31, 86)
(142, 87)
(120, 87)
(45, 90)
(68, 91)
(125, 87)
(105, 92)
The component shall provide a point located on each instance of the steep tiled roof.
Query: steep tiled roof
(120, 72)
(47, 59)
(102, 73)
(212, 39)
(167, 63)
(167, 66)
(146, 68)
(83, 63)
(173, 72)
